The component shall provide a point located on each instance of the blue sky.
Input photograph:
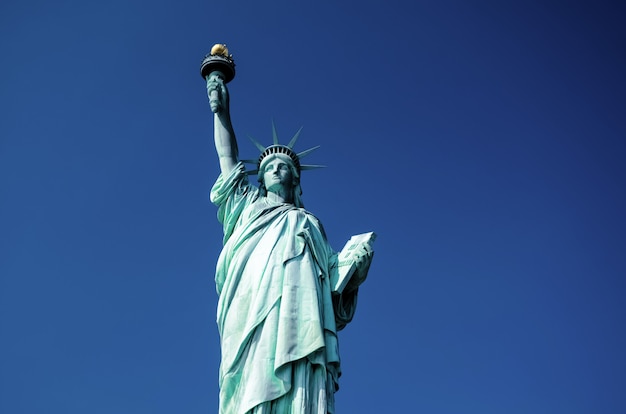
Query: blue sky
(484, 142)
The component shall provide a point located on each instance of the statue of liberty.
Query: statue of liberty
(279, 309)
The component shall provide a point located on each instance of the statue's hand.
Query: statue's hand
(217, 93)
(363, 262)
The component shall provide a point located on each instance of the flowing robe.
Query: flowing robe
(276, 315)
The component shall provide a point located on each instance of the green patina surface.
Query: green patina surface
(277, 315)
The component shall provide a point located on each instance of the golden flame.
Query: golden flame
(219, 49)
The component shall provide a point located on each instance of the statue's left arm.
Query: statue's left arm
(344, 303)
(363, 262)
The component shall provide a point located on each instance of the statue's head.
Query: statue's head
(279, 173)
(279, 168)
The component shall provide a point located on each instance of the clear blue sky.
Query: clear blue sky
(484, 141)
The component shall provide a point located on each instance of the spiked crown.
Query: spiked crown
(286, 150)
(280, 149)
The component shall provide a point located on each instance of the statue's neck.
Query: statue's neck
(280, 196)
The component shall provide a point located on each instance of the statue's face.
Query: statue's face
(277, 175)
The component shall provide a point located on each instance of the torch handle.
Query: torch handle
(214, 93)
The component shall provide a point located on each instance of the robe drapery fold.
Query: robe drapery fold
(275, 312)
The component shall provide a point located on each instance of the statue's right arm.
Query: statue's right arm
(225, 140)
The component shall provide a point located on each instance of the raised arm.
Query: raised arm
(225, 140)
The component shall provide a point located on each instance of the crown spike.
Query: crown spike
(249, 161)
(311, 167)
(257, 144)
(307, 152)
(274, 134)
(295, 138)
(252, 172)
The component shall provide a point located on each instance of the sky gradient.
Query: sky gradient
(483, 141)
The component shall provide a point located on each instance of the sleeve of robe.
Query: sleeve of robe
(232, 193)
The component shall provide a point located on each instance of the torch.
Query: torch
(217, 63)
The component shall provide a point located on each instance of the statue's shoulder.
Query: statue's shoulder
(308, 214)
(315, 221)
